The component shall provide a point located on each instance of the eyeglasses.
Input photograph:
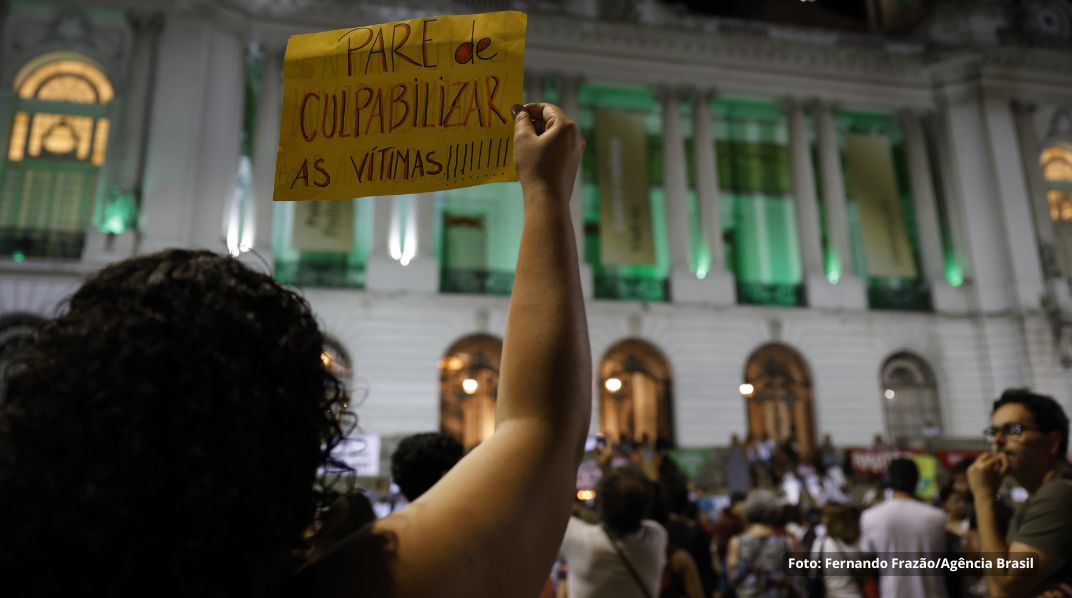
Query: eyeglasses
(1011, 430)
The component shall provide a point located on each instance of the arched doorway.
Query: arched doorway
(635, 397)
(468, 388)
(778, 396)
(910, 400)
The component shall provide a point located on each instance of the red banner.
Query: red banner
(947, 459)
(873, 462)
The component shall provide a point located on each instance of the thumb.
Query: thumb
(522, 123)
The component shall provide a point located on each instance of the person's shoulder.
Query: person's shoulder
(1058, 489)
(653, 527)
(875, 511)
(822, 545)
(929, 510)
(578, 528)
(1051, 497)
(654, 535)
(578, 524)
(579, 534)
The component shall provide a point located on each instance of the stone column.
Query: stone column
(675, 184)
(675, 191)
(567, 98)
(1013, 201)
(718, 285)
(422, 273)
(984, 260)
(265, 147)
(126, 160)
(928, 226)
(806, 207)
(194, 141)
(833, 186)
(221, 140)
(385, 273)
(849, 287)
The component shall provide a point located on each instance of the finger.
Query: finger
(549, 113)
(523, 126)
(985, 459)
(535, 113)
(1003, 463)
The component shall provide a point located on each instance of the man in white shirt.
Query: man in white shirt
(906, 526)
(622, 556)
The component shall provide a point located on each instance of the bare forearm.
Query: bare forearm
(546, 361)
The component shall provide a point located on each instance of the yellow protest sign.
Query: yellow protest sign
(404, 107)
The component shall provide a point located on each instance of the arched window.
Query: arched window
(910, 400)
(469, 387)
(635, 393)
(778, 391)
(1056, 163)
(58, 142)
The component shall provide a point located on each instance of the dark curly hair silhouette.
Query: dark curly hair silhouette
(166, 430)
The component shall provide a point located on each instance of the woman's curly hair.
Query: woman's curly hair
(168, 427)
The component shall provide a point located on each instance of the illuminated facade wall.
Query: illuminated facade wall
(763, 228)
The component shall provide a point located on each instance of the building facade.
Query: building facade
(845, 232)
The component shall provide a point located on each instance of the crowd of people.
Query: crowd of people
(784, 503)
(165, 433)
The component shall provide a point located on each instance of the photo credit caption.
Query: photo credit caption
(938, 563)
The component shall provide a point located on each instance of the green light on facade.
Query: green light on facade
(833, 268)
(19, 256)
(118, 213)
(702, 268)
(953, 275)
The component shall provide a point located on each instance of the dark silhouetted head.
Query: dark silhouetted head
(421, 459)
(168, 427)
(904, 475)
(625, 499)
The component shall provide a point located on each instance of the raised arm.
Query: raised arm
(493, 524)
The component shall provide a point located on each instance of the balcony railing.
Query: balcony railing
(323, 273)
(41, 243)
(762, 293)
(476, 282)
(909, 298)
(631, 288)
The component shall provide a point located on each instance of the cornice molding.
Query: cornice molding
(750, 45)
(675, 39)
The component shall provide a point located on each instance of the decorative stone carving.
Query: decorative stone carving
(1060, 128)
(101, 36)
(1046, 21)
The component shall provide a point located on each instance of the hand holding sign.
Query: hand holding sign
(404, 107)
(548, 147)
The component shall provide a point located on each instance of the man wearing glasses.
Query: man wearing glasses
(1028, 436)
